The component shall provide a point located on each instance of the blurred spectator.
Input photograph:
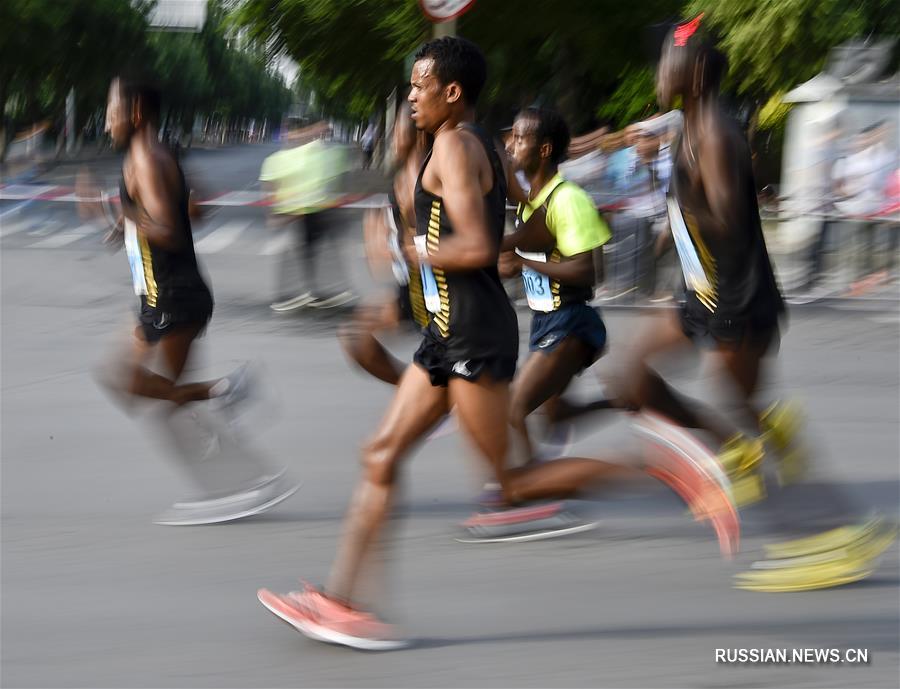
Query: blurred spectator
(638, 211)
(860, 177)
(367, 142)
(307, 179)
(858, 181)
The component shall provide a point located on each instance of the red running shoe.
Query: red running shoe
(690, 469)
(318, 617)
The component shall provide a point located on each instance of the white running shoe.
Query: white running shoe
(294, 303)
(265, 495)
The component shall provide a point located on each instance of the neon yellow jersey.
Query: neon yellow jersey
(571, 217)
(306, 177)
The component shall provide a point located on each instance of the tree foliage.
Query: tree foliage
(590, 58)
(354, 52)
(775, 45)
(350, 52)
(48, 48)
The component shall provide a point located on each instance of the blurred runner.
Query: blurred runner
(556, 261)
(307, 179)
(387, 232)
(731, 305)
(175, 307)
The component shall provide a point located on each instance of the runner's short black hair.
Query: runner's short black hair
(147, 93)
(553, 128)
(459, 60)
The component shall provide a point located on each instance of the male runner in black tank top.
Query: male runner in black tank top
(731, 304)
(468, 354)
(175, 305)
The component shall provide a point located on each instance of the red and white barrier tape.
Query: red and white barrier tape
(52, 192)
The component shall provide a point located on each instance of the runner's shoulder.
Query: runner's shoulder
(459, 147)
(570, 192)
(155, 160)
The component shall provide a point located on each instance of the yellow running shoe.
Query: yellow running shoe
(834, 558)
(803, 578)
(782, 423)
(741, 458)
(823, 542)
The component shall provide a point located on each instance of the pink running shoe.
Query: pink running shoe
(318, 617)
(681, 462)
(519, 524)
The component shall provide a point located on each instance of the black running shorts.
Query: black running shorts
(155, 323)
(432, 356)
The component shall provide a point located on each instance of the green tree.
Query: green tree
(49, 47)
(351, 52)
(571, 55)
(773, 46)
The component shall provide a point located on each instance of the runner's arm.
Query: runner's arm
(576, 270)
(156, 189)
(458, 159)
(533, 235)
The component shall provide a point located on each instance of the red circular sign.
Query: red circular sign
(444, 10)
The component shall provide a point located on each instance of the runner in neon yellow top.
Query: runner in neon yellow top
(306, 182)
(556, 234)
(305, 178)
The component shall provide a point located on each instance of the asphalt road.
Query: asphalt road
(94, 595)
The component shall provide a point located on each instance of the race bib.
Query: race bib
(694, 276)
(398, 261)
(135, 259)
(537, 285)
(429, 284)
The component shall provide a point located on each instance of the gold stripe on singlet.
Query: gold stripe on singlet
(555, 257)
(442, 319)
(147, 261)
(417, 299)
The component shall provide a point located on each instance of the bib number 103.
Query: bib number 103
(537, 285)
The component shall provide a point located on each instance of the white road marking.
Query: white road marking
(279, 242)
(63, 238)
(222, 236)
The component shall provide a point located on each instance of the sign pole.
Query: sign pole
(447, 28)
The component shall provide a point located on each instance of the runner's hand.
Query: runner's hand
(411, 253)
(375, 235)
(114, 239)
(195, 210)
(509, 265)
(88, 193)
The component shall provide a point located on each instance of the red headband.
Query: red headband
(684, 31)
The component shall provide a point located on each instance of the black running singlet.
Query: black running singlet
(725, 277)
(408, 278)
(169, 280)
(470, 313)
